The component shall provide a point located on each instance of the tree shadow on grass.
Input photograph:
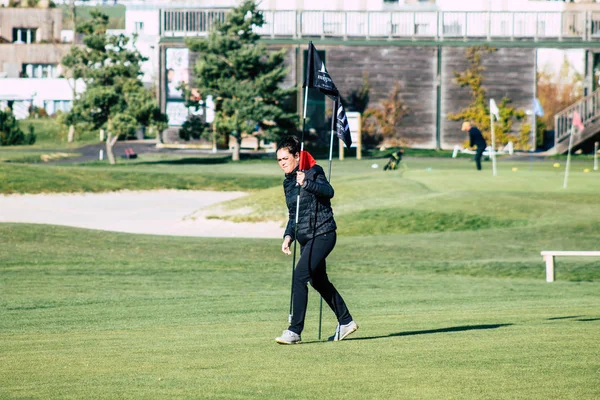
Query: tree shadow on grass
(430, 331)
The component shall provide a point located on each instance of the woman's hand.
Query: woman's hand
(285, 247)
(300, 178)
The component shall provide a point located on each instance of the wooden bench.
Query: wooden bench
(549, 258)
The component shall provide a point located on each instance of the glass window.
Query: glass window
(24, 35)
(39, 71)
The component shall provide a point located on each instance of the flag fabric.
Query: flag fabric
(494, 109)
(537, 108)
(317, 76)
(577, 121)
(341, 126)
(306, 161)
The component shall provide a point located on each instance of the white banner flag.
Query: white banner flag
(494, 109)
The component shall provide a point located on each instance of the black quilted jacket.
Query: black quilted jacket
(316, 215)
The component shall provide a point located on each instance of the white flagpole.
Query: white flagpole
(568, 158)
(493, 150)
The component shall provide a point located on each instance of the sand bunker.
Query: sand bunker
(157, 212)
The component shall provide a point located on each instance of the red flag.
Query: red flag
(577, 121)
(306, 161)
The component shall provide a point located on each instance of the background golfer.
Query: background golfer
(316, 236)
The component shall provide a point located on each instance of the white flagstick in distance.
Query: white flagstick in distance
(494, 112)
(568, 165)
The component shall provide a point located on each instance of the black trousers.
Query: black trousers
(478, 155)
(312, 268)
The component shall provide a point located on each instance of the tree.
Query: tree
(383, 122)
(557, 92)
(243, 78)
(478, 111)
(10, 132)
(358, 99)
(115, 98)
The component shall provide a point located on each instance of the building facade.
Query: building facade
(30, 61)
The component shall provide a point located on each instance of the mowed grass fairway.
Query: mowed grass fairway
(440, 266)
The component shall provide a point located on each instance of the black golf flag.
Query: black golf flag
(341, 127)
(317, 76)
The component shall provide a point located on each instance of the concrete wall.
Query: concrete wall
(13, 56)
(413, 68)
(47, 21)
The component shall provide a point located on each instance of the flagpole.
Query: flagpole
(493, 150)
(297, 212)
(568, 157)
(333, 117)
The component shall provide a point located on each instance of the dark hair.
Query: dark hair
(291, 143)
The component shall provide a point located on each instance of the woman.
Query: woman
(316, 235)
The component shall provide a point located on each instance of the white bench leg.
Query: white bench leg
(549, 268)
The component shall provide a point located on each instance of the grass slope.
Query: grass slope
(89, 314)
(440, 266)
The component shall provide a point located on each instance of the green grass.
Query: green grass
(50, 134)
(52, 179)
(440, 265)
(90, 314)
(116, 15)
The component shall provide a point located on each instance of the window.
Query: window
(139, 26)
(39, 71)
(24, 35)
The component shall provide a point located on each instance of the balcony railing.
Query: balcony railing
(589, 110)
(568, 25)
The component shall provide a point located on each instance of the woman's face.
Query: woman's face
(287, 161)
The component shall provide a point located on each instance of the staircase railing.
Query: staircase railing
(587, 107)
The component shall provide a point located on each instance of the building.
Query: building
(396, 42)
(30, 55)
(32, 46)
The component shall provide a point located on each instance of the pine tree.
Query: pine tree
(115, 98)
(244, 78)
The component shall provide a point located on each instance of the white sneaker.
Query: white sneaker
(341, 331)
(288, 337)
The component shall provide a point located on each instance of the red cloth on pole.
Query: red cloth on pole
(306, 161)
(577, 121)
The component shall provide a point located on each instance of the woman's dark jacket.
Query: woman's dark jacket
(316, 215)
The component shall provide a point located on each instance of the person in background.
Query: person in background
(475, 139)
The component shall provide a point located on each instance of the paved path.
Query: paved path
(160, 212)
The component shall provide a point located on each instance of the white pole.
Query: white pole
(101, 155)
(305, 100)
(596, 156)
(493, 150)
(568, 158)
